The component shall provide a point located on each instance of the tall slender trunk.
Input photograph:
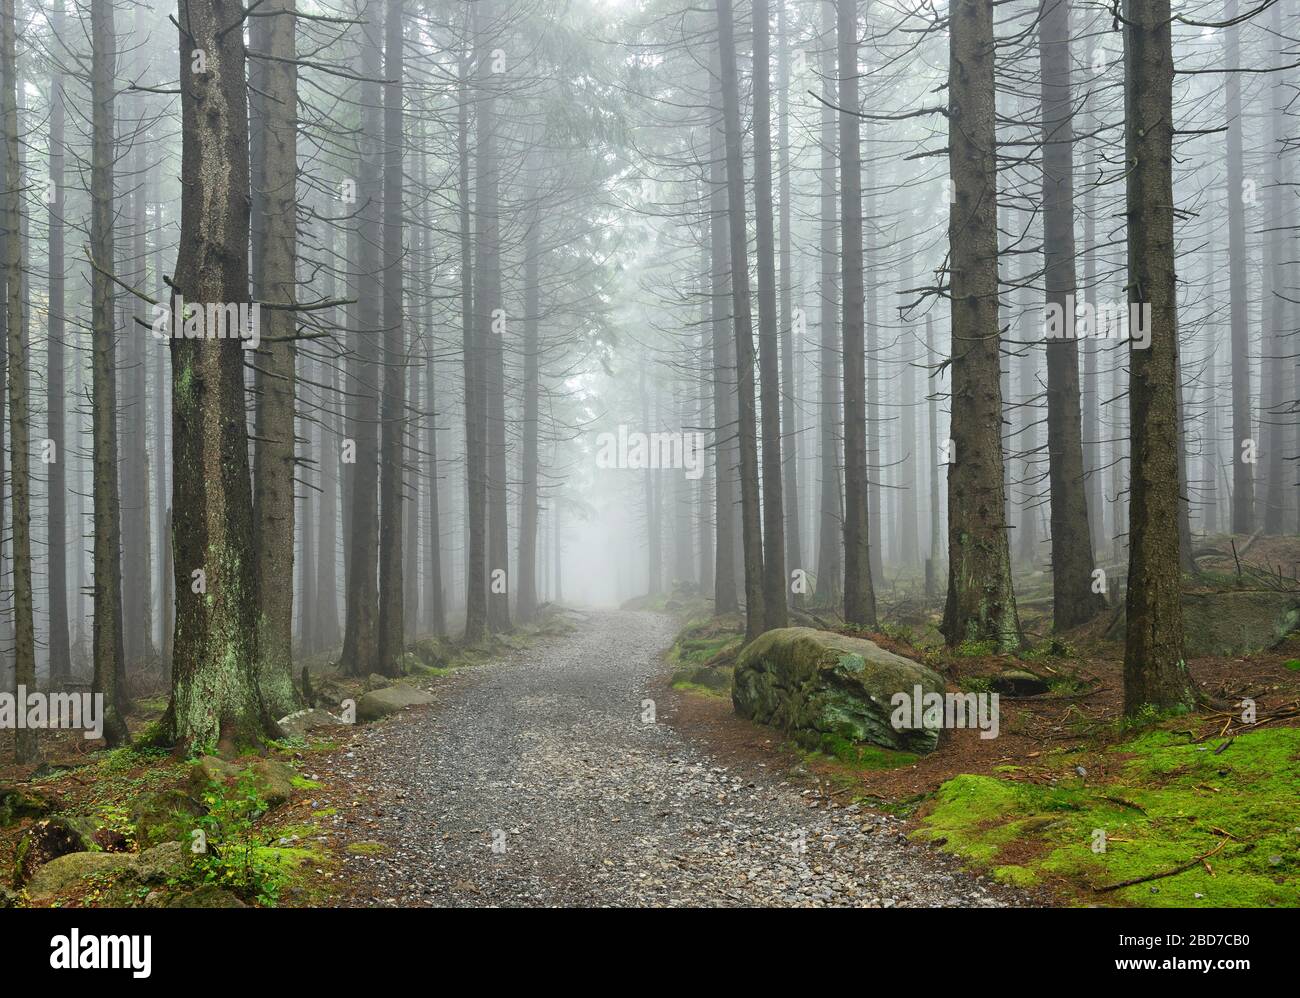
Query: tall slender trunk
(981, 604)
(1073, 599)
(859, 595)
(726, 598)
(215, 694)
(475, 481)
(526, 605)
(830, 526)
(1243, 469)
(19, 426)
(1154, 671)
(108, 652)
(392, 626)
(56, 487)
(790, 389)
(361, 634)
(775, 590)
(751, 526)
(275, 36)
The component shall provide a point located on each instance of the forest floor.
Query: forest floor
(1070, 799)
(558, 776)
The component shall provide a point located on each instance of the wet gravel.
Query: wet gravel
(544, 780)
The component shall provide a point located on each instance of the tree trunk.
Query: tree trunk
(751, 527)
(775, 589)
(1243, 470)
(275, 284)
(830, 528)
(1073, 599)
(392, 625)
(981, 604)
(108, 653)
(726, 598)
(215, 694)
(1154, 671)
(361, 633)
(475, 481)
(859, 596)
(19, 426)
(526, 605)
(56, 497)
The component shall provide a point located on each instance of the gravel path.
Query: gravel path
(536, 781)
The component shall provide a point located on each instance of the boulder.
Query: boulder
(300, 722)
(60, 874)
(161, 863)
(207, 896)
(1017, 683)
(273, 779)
(1236, 622)
(389, 700)
(17, 804)
(53, 837)
(163, 816)
(815, 683)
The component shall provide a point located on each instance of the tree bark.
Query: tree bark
(392, 626)
(275, 283)
(215, 694)
(981, 604)
(1154, 671)
(1073, 599)
(108, 653)
(751, 526)
(859, 595)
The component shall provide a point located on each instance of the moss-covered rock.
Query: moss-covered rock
(300, 722)
(50, 838)
(163, 816)
(207, 896)
(273, 779)
(813, 683)
(382, 702)
(1237, 622)
(161, 863)
(16, 804)
(61, 873)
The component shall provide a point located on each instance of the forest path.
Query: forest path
(546, 754)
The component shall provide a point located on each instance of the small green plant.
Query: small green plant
(229, 851)
(970, 648)
(977, 684)
(1293, 665)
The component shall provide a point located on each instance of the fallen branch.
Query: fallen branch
(1182, 868)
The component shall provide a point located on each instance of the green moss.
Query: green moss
(1016, 876)
(302, 783)
(325, 812)
(1293, 665)
(366, 848)
(1168, 803)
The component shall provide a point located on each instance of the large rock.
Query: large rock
(389, 700)
(1231, 623)
(16, 804)
(50, 838)
(60, 874)
(817, 683)
(161, 863)
(300, 722)
(273, 779)
(207, 896)
(163, 816)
